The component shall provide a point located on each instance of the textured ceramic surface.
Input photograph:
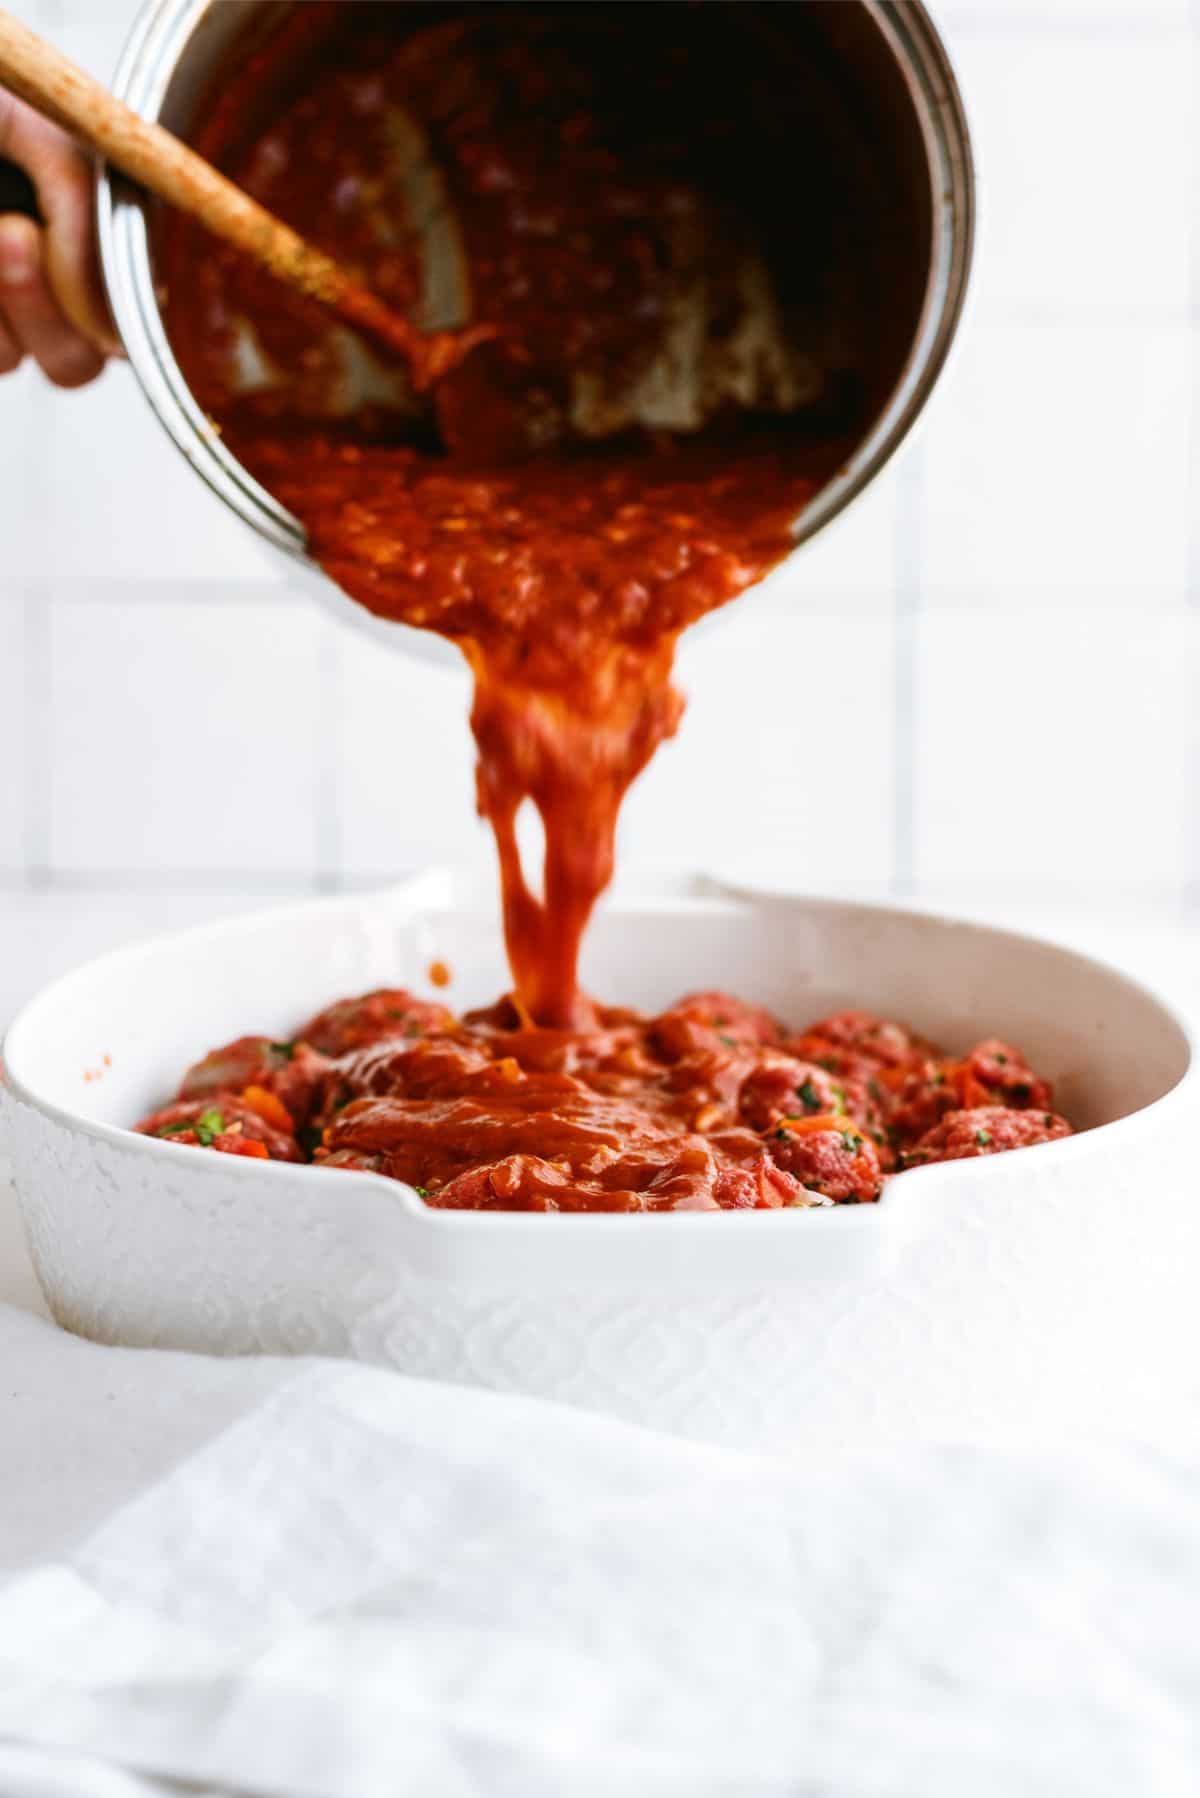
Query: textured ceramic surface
(1053, 1285)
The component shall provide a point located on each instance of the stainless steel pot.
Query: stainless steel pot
(891, 72)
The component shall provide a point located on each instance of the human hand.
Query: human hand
(51, 299)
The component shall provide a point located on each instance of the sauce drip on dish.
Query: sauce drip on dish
(712, 1105)
(676, 367)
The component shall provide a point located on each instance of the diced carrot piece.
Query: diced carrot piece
(826, 1120)
(243, 1145)
(269, 1107)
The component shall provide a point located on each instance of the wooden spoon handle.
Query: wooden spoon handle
(61, 90)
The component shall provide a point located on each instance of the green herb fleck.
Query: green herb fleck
(286, 1050)
(828, 1063)
(983, 1138)
(173, 1129)
(1003, 1060)
(809, 1096)
(422, 1192)
(851, 1143)
(875, 1090)
(782, 1134)
(208, 1125)
(730, 1042)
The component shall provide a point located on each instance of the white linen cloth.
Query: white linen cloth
(314, 1580)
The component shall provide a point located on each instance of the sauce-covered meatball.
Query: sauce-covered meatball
(985, 1130)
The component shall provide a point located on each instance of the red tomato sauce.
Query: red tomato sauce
(632, 447)
(624, 199)
(712, 1105)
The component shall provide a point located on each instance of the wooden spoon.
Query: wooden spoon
(61, 90)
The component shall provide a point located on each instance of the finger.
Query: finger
(31, 313)
(62, 176)
(11, 353)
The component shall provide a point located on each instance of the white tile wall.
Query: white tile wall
(759, 778)
(119, 499)
(1084, 148)
(14, 734)
(1055, 750)
(405, 792)
(1057, 466)
(184, 732)
(978, 687)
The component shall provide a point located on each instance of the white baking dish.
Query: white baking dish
(1053, 1285)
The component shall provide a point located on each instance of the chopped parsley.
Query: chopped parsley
(782, 1133)
(209, 1125)
(286, 1050)
(851, 1143)
(173, 1129)
(422, 1192)
(730, 1042)
(828, 1063)
(983, 1138)
(809, 1096)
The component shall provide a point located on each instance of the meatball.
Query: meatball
(225, 1123)
(992, 1074)
(1004, 1077)
(710, 1021)
(293, 1072)
(783, 1087)
(763, 1186)
(862, 1035)
(920, 1099)
(350, 1160)
(985, 1130)
(352, 1023)
(239, 1063)
(829, 1155)
(401, 1069)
